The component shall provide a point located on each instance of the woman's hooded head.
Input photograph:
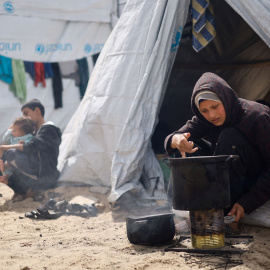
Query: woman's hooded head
(211, 87)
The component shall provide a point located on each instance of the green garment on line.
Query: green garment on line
(18, 85)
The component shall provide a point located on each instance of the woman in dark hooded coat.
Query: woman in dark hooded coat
(233, 126)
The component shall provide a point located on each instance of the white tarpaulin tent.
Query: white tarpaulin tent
(256, 14)
(107, 142)
(51, 31)
(54, 31)
(66, 10)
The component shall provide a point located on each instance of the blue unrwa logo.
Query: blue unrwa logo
(176, 38)
(8, 7)
(87, 48)
(95, 49)
(40, 48)
(44, 49)
(6, 46)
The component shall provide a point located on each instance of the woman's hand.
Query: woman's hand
(180, 142)
(238, 211)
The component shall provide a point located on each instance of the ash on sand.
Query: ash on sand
(74, 242)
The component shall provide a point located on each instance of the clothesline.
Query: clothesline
(12, 72)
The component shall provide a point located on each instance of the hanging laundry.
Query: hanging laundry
(39, 74)
(57, 86)
(18, 85)
(30, 68)
(48, 70)
(69, 69)
(204, 28)
(95, 58)
(84, 75)
(6, 74)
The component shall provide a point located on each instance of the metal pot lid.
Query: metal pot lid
(150, 216)
(205, 159)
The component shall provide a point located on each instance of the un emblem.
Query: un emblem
(8, 7)
(40, 48)
(87, 48)
(176, 39)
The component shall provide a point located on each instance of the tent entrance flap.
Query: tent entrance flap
(119, 110)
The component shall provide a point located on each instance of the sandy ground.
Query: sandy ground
(74, 242)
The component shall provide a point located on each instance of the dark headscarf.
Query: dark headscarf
(212, 82)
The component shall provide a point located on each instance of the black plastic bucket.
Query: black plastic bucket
(200, 183)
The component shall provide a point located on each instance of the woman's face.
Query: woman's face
(213, 111)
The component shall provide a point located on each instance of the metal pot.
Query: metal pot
(201, 183)
(152, 229)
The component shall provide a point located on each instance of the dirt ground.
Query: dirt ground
(74, 242)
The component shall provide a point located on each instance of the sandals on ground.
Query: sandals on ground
(52, 210)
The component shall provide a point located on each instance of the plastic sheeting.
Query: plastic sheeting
(55, 31)
(51, 31)
(107, 142)
(259, 217)
(256, 14)
(67, 10)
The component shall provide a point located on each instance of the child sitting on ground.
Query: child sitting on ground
(21, 131)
